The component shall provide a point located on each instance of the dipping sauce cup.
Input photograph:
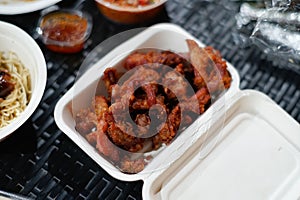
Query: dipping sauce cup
(64, 31)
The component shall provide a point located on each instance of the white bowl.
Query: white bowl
(14, 39)
(20, 7)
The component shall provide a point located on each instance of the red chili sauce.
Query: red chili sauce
(64, 32)
(132, 3)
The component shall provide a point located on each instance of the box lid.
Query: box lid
(253, 155)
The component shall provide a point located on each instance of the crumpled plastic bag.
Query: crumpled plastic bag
(275, 28)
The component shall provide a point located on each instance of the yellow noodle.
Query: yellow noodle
(15, 103)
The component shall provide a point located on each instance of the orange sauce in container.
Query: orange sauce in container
(64, 31)
(130, 11)
(130, 3)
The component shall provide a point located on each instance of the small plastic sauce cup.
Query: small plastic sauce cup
(65, 31)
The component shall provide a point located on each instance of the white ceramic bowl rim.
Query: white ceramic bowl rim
(14, 8)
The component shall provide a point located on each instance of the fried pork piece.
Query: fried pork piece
(210, 69)
(143, 122)
(215, 55)
(100, 107)
(141, 102)
(175, 85)
(110, 78)
(102, 142)
(169, 129)
(203, 98)
(106, 147)
(122, 133)
(123, 139)
(86, 121)
(140, 77)
(138, 59)
(152, 104)
(151, 91)
(185, 69)
(181, 111)
(197, 103)
(93, 126)
(141, 58)
(170, 59)
(132, 166)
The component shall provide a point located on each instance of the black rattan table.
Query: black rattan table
(40, 162)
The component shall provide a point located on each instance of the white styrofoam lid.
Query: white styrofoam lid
(257, 157)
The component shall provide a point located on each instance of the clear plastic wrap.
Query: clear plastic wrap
(274, 28)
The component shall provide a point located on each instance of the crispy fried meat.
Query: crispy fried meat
(150, 105)
(167, 58)
(175, 85)
(124, 140)
(169, 129)
(100, 106)
(6, 86)
(86, 121)
(110, 78)
(106, 147)
(210, 69)
(132, 166)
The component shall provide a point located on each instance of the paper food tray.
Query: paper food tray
(252, 151)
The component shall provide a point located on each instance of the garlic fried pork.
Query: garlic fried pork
(161, 94)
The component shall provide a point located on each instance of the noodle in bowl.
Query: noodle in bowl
(15, 103)
(23, 60)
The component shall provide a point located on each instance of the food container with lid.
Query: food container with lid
(64, 30)
(243, 147)
(130, 14)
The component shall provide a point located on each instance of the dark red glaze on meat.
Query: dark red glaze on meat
(6, 86)
(151, 105)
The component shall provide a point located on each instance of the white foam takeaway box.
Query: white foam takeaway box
(243, 147)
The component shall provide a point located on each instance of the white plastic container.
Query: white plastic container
(243, 147)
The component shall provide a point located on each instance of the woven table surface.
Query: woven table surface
(40, 162)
